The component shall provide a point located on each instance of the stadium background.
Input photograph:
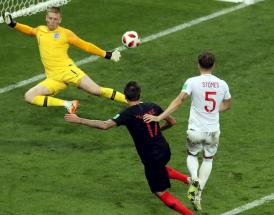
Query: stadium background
(48, 166)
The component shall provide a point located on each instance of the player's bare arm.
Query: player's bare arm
(174, 105)
(99, 124)
(225, 105)
(169, 122)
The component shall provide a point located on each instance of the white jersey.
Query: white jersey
(207, 92)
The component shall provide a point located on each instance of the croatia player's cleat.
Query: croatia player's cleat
(73, 106)
(193, 190)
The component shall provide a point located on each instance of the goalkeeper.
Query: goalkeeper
(54, 41)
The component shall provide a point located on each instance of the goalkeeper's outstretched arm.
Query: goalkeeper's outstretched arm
(91, 48)
(18, 26)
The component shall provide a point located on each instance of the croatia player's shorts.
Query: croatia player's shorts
(207, 142)
(70, 75)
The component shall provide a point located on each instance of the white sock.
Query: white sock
(204, 172)
(67, 104)
(199, 194)
(193, 166)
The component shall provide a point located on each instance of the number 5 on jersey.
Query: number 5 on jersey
(209, 96)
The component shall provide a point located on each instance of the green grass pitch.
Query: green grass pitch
(50, 167)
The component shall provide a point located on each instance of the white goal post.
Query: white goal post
(19, 8)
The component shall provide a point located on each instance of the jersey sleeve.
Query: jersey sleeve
(227, 94)
(120, 118)
(26, 29)
(159, 110)
(73, 39)
(187, 88)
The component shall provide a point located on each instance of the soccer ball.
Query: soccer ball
(130, 39)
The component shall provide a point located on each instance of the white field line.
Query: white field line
(250, 205)
(239, 1)
(144, 40)
(234, 1)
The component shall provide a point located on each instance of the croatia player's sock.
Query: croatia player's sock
(193, 166)
(46, 101)
(113, 95)
(204, 172)
(173, 174)
(172, 202)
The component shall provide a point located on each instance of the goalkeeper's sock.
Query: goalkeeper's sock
(46, 101)
(113, 95)
(193, 166)
(205, 171)
(173, 174)
(172, 202)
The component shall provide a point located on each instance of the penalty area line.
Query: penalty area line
(250, 205)
(144, 40)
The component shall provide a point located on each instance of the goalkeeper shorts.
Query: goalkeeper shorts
(71, 75)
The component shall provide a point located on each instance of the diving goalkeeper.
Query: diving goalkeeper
(54, 41)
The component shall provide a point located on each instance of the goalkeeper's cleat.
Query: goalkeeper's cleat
(193, 190)
(197, 203)
(73, 106)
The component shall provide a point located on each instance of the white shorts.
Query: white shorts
(207, 142)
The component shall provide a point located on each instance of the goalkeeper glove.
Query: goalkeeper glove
(115, 55)
(9, 20)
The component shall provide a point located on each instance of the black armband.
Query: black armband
(108, 55)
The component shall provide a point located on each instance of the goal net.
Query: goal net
(19, 8)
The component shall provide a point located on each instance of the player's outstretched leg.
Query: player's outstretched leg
(38, 95)
(113, 95)
(91, 87)
(174, 174)
(172, 202)
(49, 101)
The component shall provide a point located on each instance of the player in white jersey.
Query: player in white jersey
(210, 95)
